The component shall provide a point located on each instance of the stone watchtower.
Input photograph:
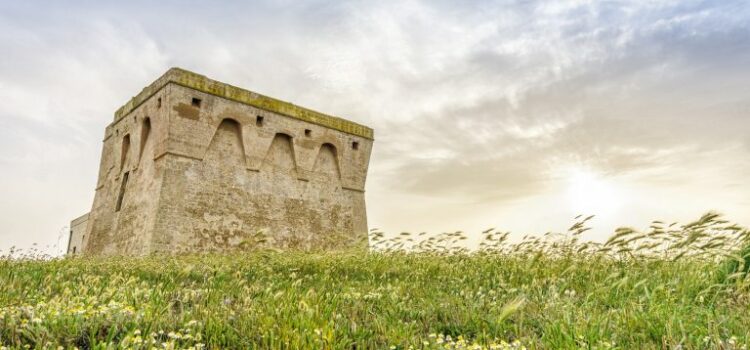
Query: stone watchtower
(193, 164)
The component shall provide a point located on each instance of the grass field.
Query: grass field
(670, 287)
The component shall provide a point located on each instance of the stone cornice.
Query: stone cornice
(202, 83)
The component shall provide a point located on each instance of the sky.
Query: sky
(514, 115)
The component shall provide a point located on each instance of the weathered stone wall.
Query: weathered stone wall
(190, 165)
(124, 210)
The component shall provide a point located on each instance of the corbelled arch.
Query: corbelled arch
(327, 161)
(124, 151)
(145, 134)
(281, 154)
(227, 142)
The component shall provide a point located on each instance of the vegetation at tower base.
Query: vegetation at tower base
(662, 288)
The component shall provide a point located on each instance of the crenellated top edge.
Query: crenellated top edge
(204, 84)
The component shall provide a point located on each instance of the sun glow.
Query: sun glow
(591, 193)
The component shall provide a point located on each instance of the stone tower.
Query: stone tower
(193, 164)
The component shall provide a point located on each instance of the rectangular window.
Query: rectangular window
(259, 121)
(308, 132)
(196, 102)
(158, 102)
(355, 145)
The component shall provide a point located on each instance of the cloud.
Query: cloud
(621, 96)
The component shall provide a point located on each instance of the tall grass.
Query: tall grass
(673, 286)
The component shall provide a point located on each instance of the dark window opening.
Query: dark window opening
(196, 102)
(158, 102)
(259, 121)
(355, 145)
(122, 191)
(74, 250)
(308, 132)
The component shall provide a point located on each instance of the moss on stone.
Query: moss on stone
(201, 83)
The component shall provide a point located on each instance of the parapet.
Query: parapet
(204, 84)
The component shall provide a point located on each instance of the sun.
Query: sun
(591, 193)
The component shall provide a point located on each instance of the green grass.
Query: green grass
(538, 294)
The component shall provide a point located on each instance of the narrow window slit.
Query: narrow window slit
(122, 191)
(259, 121)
